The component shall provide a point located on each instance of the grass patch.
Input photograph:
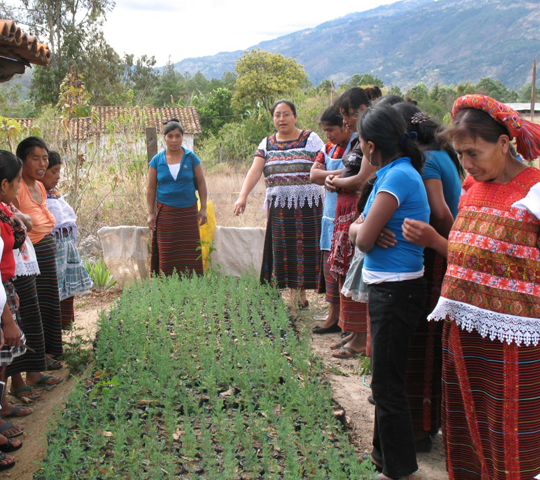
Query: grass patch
(201, 378)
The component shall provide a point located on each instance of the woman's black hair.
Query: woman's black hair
(10, 166)
(365, 191)
(173, 124)
(54, 159)
(286, 102)
(429, 133)
(28, 144)
(390, 100)
(353, 99)
(373, 93)
(387, 131)
(332, 117)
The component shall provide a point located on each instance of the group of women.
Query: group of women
(400, 237)
(41, 272)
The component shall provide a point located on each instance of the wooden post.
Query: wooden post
(151, 143)
(533, 90)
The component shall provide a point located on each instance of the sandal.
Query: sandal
(53, 364)
(6, 466)
(16, 411)
(42, 382)
(9, 447)
(27, 388)
(8, 426)
(339, 344)
(347, 352)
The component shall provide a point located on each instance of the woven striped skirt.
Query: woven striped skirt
(352, 315)
(327, 281)
(424, 367)
(32, 327)
(9, 354)
(67, 309)
(48, 295)
(491, 407)
(175, 241)
(291, 256)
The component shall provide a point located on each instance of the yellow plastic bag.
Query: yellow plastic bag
(207, 231)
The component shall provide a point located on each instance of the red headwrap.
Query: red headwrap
(527, 134)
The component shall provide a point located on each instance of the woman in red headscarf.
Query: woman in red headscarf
(490, 300)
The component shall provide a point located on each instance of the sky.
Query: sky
(179, 29)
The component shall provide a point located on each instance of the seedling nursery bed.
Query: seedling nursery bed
(201, 378)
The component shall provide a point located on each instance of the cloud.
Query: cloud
(143, 5)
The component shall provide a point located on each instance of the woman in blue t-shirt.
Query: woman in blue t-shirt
(174, 218)
(395, 278)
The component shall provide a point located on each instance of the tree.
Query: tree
(395, 90)
(72, 30)
(170, 88)
(214, 109)
(496, 89)
(140, 77)
(264, 76)
(419, 92)
(365, 80)
(525, 93)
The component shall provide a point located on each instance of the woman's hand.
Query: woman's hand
(12, 334)
(203, 217)
(419, 233)
(386, 238)
(240, 206)
(329, 183)
(152, 221)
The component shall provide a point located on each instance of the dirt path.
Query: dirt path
(51, 403)
(351, 393)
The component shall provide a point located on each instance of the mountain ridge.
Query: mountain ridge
(434, 41)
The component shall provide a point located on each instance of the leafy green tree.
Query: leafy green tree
(467, 88)
(140, 77)
(325, 86)
(525, 93)
(170, 88)
(496, 89)
(264, 76)
(365, 79)
(395, 90)
(215, 110)
(419, 92)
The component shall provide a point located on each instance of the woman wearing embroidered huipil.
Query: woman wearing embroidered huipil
(291, 256)
(490, 299)
(329, 162)
(73, 279)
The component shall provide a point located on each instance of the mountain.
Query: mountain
(445, 41)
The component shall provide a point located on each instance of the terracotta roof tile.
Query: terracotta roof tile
(22, 45)
(103, 119)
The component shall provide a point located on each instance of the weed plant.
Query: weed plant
(201, 378)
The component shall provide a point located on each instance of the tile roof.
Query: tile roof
(102, 120)
(21, 45)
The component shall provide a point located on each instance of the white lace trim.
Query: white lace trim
(293, 196)
(314, 143)
(355, 295)
(25, 269)
(500, 326)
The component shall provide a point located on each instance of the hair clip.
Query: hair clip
(408, 136)
(420, 117)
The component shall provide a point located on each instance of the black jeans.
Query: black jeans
(395, 309)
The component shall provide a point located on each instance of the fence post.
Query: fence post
(151, 142)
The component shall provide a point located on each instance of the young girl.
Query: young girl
(73, 279)
(329, 162)
(395, 278)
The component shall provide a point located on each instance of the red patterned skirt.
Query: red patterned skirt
(342, 250)
(291, 256)
(491, 407)
(424, 367)
(175, 241)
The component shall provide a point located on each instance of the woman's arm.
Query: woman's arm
(356, 181)
(24, 218)
(203, 194)
(441, 216)
(355, 227)
(384, 206)
(250, 181)
(12, 334)
(151, 197)
(423, 234)
(318, 173)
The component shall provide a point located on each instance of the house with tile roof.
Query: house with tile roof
(19, 50)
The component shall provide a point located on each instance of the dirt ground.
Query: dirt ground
(350, 392)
